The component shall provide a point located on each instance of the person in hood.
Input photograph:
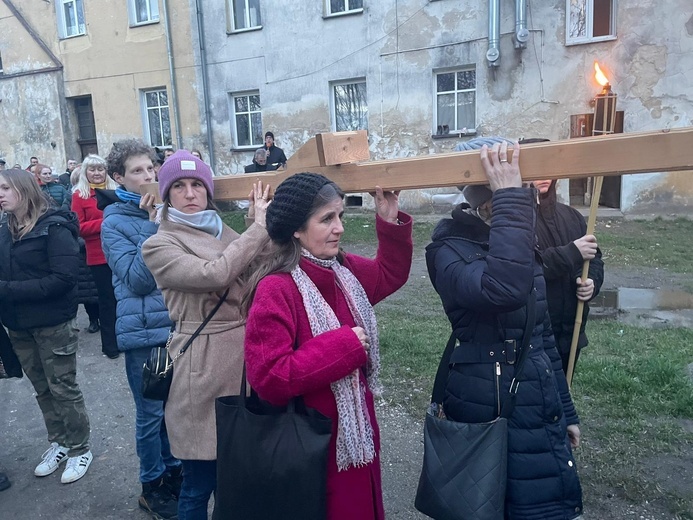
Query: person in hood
(483, 264)
(143, 321)
(93, 177)
(39, 261)
(565, 245)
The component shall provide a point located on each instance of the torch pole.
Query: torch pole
(591, 222)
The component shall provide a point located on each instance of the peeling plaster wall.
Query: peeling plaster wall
(397, 47)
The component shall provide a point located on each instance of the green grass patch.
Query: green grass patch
(647, 243)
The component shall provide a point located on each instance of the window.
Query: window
(350, 106)
(333, 7)
(590, 21)
(143, 11)
(248, 119)
(70, 18)
(245, 14)
(157, 121)
(455, 101)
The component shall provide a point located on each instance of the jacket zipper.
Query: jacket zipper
(498, 376)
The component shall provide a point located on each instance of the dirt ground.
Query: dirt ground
(110, 490)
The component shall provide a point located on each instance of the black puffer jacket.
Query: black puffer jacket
(38, 273)
(558, 226)
(86, 286)
(484, 277)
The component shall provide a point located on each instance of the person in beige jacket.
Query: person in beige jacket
(194, 258)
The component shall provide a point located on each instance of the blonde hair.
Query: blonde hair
(74, 177)
(32, 202)
(82, 187)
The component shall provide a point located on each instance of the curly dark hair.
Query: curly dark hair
(122, 151)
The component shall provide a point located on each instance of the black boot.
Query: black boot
(173, 479)
(4, 482)
(93, 326)
(158, 501)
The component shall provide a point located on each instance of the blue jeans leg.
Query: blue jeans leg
(199, 482)
(153, 447)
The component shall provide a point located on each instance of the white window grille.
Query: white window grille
(143, 11)
(247, 119)
(244, 15)
(455, 101)
(70, 18)
(157, 119)
(349, 105)
(590, 21)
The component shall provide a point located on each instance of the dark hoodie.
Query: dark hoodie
(38, 273)
(558, 226)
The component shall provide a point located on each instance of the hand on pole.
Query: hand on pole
(587, 246)
(584, 290)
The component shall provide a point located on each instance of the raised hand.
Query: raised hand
(386, 204)
(500, 171)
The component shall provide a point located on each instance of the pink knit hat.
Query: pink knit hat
(184, 165)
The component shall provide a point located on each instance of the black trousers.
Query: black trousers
(107, 307)
(92, 310)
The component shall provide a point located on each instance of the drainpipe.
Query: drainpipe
(493, 52)
(172, 74)
(521, 32)
(205, 83)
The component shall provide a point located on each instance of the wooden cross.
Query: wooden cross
(344, 158)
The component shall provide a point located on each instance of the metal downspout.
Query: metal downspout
(205, 83)
(493, 52)
(521, 32)
(172, 75)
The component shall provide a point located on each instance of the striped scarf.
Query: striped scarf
(355, 445)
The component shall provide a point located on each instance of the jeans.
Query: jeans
(153, 447)
(199, 482)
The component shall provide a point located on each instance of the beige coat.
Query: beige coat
(193, 269)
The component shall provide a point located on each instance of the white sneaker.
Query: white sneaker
(76, 467)
(52, 458)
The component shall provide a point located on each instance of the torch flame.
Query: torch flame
(599, 75)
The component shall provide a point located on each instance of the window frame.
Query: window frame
(234, 125)
(62, 21)
(589, 16)
(152, 5)
(454, 131)
(230, 27)
(329, 14)
(333, 107)
(145, 117)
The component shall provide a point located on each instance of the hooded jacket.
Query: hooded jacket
(484, 276)
(558, 226)
(142, 319)
(38, 272)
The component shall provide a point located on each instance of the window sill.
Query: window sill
(73, 36)
(583, 41)
(454, 135)
(345, 13)
(141, 24)
(250, 148)
(245, 30)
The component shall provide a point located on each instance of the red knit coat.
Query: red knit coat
(277, 321)
(90, 218)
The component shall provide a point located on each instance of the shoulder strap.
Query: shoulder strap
(204, 323)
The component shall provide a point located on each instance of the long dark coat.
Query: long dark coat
(484, 277)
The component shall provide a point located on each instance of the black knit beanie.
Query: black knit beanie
(291, 205)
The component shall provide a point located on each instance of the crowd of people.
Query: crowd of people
(285, 304)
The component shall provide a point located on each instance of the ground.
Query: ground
(110, 489)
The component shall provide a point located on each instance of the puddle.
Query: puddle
(645, 307)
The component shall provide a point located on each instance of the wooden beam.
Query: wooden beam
(343, 147)
(617, 154)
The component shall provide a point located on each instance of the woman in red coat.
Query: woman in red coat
(93, 176)
(311, 329)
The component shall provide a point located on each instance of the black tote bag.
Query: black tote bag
(271, 461)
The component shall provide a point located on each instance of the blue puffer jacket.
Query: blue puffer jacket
(142, 319)
(484, 277)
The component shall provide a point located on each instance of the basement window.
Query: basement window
(342, 7)
(590, 21)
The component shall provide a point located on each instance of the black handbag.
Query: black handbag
(271, 461)
(157, 372)
(464, 470)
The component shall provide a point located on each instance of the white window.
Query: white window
(349, 105)
(244, 14)
(590, 21)
(70, 18)
(455, 101)
(333, 7)
(247, 119)
(157, 120)
(143, 11)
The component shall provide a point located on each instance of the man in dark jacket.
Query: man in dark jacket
(259, 163)
(275, 155)
(564, 246)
